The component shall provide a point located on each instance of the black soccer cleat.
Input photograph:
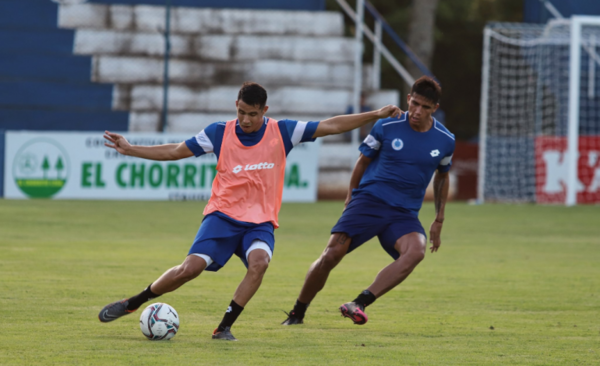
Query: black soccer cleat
(224, 334)
(355, 312)
(292, 319)
(114, 311)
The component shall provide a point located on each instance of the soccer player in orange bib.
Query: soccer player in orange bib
(246, 194)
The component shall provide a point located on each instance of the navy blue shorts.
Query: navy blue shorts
(367, 217)
(220, 238)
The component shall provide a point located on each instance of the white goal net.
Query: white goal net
(540, 103)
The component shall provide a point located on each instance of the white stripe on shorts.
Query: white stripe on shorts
(206, 258)
(259, 244)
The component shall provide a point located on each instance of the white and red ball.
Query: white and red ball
(159, 321)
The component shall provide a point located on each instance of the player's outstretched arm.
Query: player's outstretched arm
(441, 183)
(157, 152)
(348, 122)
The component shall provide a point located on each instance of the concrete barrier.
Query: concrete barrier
(186, 20)
(138, 70)
(215, 47)
(282, 100)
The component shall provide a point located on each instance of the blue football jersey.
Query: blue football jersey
(404, 161)
(209, 139)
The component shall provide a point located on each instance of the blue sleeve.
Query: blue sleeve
(194, 147)
(372, 143)
(446, 162)
(208, 140)
(295, 132)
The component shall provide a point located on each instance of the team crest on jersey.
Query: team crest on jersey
(397, 144)
(435, 153)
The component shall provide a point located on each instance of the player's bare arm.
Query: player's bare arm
(441, 182)
(345, 123)
(359, 170)
(158, 152)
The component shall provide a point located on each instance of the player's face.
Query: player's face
(250, 116)
(420, 109)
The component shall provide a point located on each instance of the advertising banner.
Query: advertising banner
(77, 165)
(551, 169)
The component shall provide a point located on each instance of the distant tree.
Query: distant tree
(421, 33)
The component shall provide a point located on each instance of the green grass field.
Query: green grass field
(511, 285)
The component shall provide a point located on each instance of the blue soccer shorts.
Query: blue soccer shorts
(366, 217)
(219, 237)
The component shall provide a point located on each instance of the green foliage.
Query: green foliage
(529, 272)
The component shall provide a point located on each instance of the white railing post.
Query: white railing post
(573, 127)
(377, 55)
(358, 54)
(404, 74)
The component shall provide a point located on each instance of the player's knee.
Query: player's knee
(416, 252)
(187, 272)
(418, 255)
(331, 257)
(258, 264)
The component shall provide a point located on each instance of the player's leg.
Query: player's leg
(258, 262)
(215, 242)
(177, 276)
(317, 275)
(411, 250)
(256, 252)
(171, 280)
(319, 271)
(360, 222)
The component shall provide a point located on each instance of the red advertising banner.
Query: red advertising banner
(551, 169)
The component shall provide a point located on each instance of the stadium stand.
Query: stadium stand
(84, 66)
(95, 65)
(44, 85)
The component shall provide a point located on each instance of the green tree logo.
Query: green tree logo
(41, 168)
(45, 166)
(59, 167)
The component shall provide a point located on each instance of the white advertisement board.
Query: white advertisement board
(77, 165)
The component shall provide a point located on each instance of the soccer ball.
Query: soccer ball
(159, 321)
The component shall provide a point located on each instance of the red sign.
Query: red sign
(551, 169)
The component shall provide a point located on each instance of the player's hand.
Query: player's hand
(119, 142)
(389, 111)
(434, 236)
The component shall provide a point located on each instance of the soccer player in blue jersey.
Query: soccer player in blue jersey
(387, 187)
(242, 212)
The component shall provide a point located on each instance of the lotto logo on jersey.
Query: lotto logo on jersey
(260, 166)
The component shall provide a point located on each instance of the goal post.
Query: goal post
(540, 112)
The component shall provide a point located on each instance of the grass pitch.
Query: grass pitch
(511, 285)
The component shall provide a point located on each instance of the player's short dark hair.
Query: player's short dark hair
(253, 94)
(427, 87)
